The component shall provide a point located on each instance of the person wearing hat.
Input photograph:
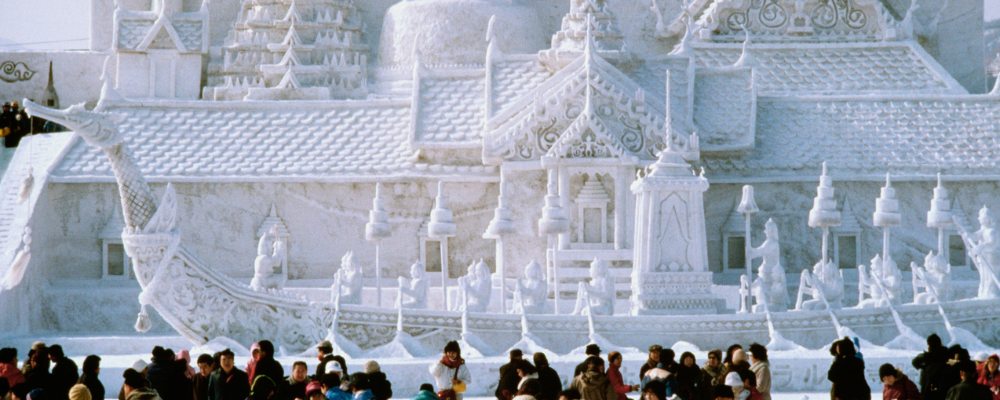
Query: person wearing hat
(592, 350)
(381, 387)
(968, 389)
(136, 387)
(79, 391)
(326, 355)
(507, 386)
(654, 358)
(331, 384)
(228, 382)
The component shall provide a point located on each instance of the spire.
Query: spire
(289, 81)
(746, 58)
(292, 37)
(684, 47)
(292, 15)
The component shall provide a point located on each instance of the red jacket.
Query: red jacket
(617, 382)
(991, 382)
(903, 389)
(11, 373)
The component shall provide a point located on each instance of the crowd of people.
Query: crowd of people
(16, 124)
(738, 374)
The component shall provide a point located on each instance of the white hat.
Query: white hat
(980, 357)
(334, 366)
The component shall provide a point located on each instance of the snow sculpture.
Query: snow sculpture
(747, 207)
(940, 216)
(271, 252)
(825, 285)
(501, 225)
(476, 287)
(442, 226)
(376, 229)
(770, 287)
(413, 291)
(598, 297)
(932, 282)
(531, 291)
(884, 285)
(554, 221)
(984, 247)
(824, 212)
(349, 281)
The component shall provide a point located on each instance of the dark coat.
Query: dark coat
(232, 386)
(289, 389)
(933, 373)
(268, 367)
(848, 376)
(64, 375)
(199, 386)
(380, 386)
(167, 378)
(969, 390)
(689, 382)
(903, 389)
(94, 385)
(551, 384)
(507, 387)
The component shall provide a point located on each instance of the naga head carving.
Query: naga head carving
(98, 128)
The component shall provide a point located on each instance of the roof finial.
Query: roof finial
(746, 58)
(684, 46)
(589, 45)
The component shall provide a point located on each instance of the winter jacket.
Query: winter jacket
(337, 394)
(64, 375)
(660, 374)
(594, 385)
(688, 382)
(94, 385)
(381, 387)
(903, 389)
(11, 373)
(933, 373)
(509, 379)
(425, 395)
(199, 386)
(848, 376)
(551, 384)
(268, 367)
(228, 386)
(618, 382)
(289, 389)
(443, 375)
(762, 370)
(969, 390)
(650, 364)
(991, 382)
(143, 394)
(520, 384)
(167, 378)
(363, 395)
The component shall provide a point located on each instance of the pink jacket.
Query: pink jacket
(617, 382)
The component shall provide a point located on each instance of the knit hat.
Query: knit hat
(79, 391)
(313, 387)
(371, 366)
(655, 348)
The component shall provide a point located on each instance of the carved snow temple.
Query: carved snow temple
(623, 137)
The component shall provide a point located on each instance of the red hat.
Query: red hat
(313, 386)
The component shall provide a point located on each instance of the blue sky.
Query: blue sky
(65, 24)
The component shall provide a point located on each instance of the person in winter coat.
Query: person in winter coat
(654, 358)
(989, 375)
(8, 367)
(79, 391)
(730, 352)
(761, 369)
(713, 373)
(529, 390)
(38, 376)
(655, 390)
(199, 384)
(136, 386)
(426, 393)
(293, 387)
(615, 376)
(749, 382)
(592, 350)
(848, 373)
(896, 385)
(933, 369)
(326, 355)
(330, 384)
(450, 371)
(64, 374)
(968, 389)
(660, 373)
(688, 378)
(266, 364)
(509, 380)
(526, 372)
(593, 384)
(228, 382)
(166, 376)
(91, 369)
(360, 387)
(381, 387)
(548, 378)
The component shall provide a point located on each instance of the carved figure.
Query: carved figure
(598, 297)
(884, 285)
(413, 291)
(932, 282)
(349, 281)
(270, 254)
(531, 291)
(476, 287)
(984, 246)
(822, 283)
(770, 286)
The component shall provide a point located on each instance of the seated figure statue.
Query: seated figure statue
(598, 297)
(349, 281)
(413, 291)
(824, 283)
(984, 247)
(270, 254)
(531, 291)
(884, 285)
(770, 286)
(476, 287)
(932, 282)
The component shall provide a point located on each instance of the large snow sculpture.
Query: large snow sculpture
(984, 247)
(531, 291)
(271, 251)
(825, 285)
(413, 291)
(598, 297)
(770, 286)
(476, 287)
(884, 285)
(932, 282)
(349, 281)
(940, 215)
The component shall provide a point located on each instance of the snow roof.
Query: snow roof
(863, 138)
(515, 76)
(264, 141)
(451, 110)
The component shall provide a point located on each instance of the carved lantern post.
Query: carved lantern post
(376, 229)
(747, 207)
(824, 212)
(554, 222)
(442, 227)
(501, 225)
(940, 216)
